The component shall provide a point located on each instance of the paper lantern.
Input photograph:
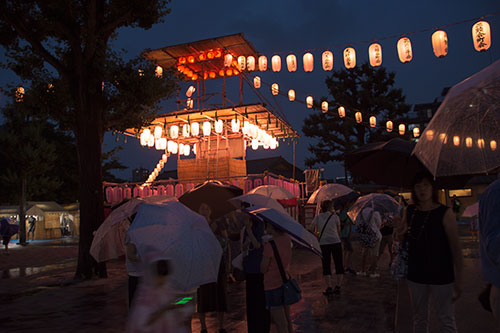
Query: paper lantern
(164, 157)
(327, 60)
(246, 128)
(190, 59)
(388, 126)
(235, 125)
(253, 130)
(144, 138)
(456, 140)
(276, 63)
(195, 149)
(211, 74)
(219, 126)
(309, 102)
(416, 132)
(190, 91)
(175, 147)
(228, 60)
(161, 144)
(274, 89)
(242, 63)
(349, 58)
(429, 134)
(19, 94)
(158, 132)
(262, 63)
(195, 129)
(324, 106)
(274, 143)
(189, 103)
(251, 63)
(359, 117)
(341, 110)
(404, 50)
(440, 43)
(174, 132)
(401, 129)
(151, 140)
(159, 71)
(443, 137)
(481, 36)
(375, 54)
(256, 82)
(493, 145)
(373, 121)
(480, 143)
(308, 60)
(255, 144)
(468, 142)
(207, 128)
(291, 63)
(187, 150)
(185, 130)
(291, 95)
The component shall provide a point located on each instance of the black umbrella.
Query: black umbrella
(391, 163)
(213, 193)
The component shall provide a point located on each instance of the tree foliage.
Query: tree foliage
(365, 89)
(84, 84)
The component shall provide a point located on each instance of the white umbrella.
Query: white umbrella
(378, 202)
(109, 239)
(285, 222)
(273, 191)
(472, 210)
(178, 233)
(328, 192)
(259, 200)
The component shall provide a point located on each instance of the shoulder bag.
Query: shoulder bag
(324, 227)
(291, 290)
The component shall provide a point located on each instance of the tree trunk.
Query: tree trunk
(22, 211)
(89, 135)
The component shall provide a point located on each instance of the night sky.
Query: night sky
(283, 27)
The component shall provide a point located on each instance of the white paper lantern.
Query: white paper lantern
(416, 132)
(456, 140)
(228, 60)
(275, 89)
(159, 71)
(429, 134)
(276, 63)
(359, 117)
(164, 157)
(189, 103)
(481, 36)
(235, 125)
(246, 128)
(291, 95)
(144, 138)
(175, 147)
(219, 126)
(174, 132)
(262, 63)
(324, 106)
(493, 145)
(401, 129)
(468, 142)
(440, 43)
(349, 58)
(255, 144)
(190, 91)
(291, 63)
(158, 132)
(309, 102)
(404, 50)
(185, 130)
(388, 126)
(251, 63)
(341, 110)
(375, 54)
(373, 121)
(242, 63)
(207, 128)
(187, 150)
(256, 82)
(161, 144)
(308, 60)
(195, 129)
(151, 141)
(327, 60)
(181, 149)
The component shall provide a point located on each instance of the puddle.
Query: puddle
(27, 271)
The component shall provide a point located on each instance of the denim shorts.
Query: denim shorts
(275, 298)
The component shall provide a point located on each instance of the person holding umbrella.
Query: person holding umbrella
(434, 255)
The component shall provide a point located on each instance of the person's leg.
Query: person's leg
(132, 287)
(495, 305)
(389, 248)
(288, 318)
(339, 265)
(443, 306)
(374, 258)
(278, 316)
(220, 320)
(326, 252)
(383, 243)
(419, 296)
(203, 321)
(257, 314)
(364, 255)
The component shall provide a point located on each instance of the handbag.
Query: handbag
(291, 290)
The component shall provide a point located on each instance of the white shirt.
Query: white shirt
(331, 234)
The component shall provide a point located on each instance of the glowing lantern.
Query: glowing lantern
(229, 72)
(174, 132)
(242, 63)
(253, 130)
(19, 94)
(159, 71)
(251, 63)
(276, 63)
(388, 126)
(256, 82)
(481, 36)
(211, 74)
(187, 150)
(161, 144)
(416, 132)
(429, 135)
(207, 128)
(228, 60)
(468, 142)
(324, 106)
(373, 121)
(404, 50)
(151, 140)
(255, 144)
(349, 58)
(219, 126)
(158, 132)
(182, 60)
(210, 55)
(327, 60)
(341, 111)
(291, 95)
(359, 117)
(275, 89)
(375, 54)
(164, 158)
(309, 102)
(185, 130)
(144, 137)
(194, 149)
(246, 128)
(175, 147)
(235, 125)
(181, 148)
(218, 53)
(401, 129)
(440, 43)
(274, 143)
(308, 60)
(443, 137)
(291, 63)
(493, 145)
(195, 129)
(189, 103)
(262, 63)
(235, 71)
(194, 77)
(141, 72)
(456, 140)
(202, 57)
(190, 59)
(480, 143)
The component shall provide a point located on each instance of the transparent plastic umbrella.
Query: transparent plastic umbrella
(328, 192)
(384, 204)
(273, 191)
(472, 210)
(259, 200)
(463, 136)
